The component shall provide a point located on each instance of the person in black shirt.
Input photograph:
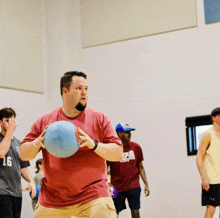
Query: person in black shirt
(11, 168)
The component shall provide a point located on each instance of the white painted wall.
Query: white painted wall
(28, 105)
(152, 83)
(21, 43)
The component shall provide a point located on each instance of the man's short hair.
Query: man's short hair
(66, 79)
(215, 112)
(7, 112)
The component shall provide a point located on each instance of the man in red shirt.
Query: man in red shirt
(75, 186)
(125, 174)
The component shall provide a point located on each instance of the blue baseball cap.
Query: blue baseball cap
(123, 127)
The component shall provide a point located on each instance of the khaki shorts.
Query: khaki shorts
(98, 208)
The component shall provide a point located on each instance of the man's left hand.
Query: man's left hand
(31, 188)
(146, 191)
(85, 140)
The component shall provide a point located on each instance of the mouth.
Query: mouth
(83, 100)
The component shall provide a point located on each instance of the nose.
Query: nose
(128, 133)
(84, 91)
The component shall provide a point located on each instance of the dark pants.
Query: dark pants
(10, 207)
(133, 196)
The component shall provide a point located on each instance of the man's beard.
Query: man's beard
(80, 107)
(126, 140)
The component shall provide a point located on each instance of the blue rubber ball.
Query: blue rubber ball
(38, 187)
(61, 139)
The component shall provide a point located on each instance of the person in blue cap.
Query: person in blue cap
(125, 174)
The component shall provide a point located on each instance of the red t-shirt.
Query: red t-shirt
(81, 177)
(125, 174)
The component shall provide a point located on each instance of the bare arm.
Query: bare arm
(25, 173)
(6, 142)
(203, 146)
(108, 151)
(29, 150)
(144, 178)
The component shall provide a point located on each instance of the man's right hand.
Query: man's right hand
(11, 125)
(205, 184)
(40, 140)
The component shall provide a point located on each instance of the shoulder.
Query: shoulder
(134, 144)
(44, 120)
(16, 140)
(96, 113)
(47, 116)
(38, 175)
(37, 178)
(93, 111)
(204, 142)
(207, 135)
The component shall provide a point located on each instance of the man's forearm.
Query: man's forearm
(109, 151)
(29, 150)
(25, 173)
(143, 175)
(199, 163)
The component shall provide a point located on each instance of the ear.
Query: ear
(65, 90)
(213, 118)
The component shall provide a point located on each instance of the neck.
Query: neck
(70, 112)
(125, 143)
(216, 127)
